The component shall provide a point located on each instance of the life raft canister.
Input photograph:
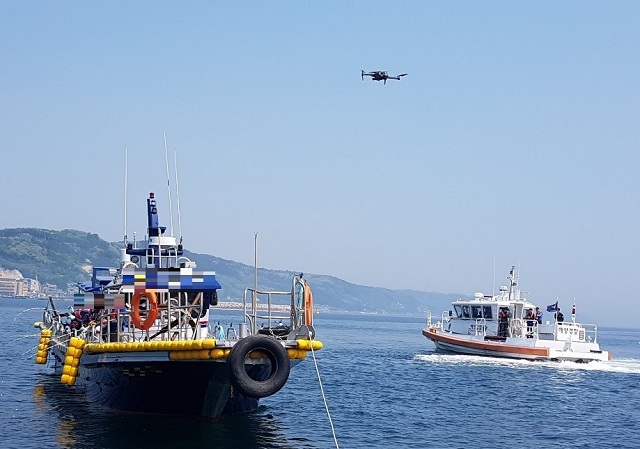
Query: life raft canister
(278, 357)
(152, 309)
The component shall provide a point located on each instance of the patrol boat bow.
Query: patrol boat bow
(140, 341)
(500, 326)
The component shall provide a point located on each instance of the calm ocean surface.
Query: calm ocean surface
(385, 387)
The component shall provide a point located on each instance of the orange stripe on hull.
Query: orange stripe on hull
(486, 346)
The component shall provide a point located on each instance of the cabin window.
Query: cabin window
(486, 311)
(465, 312)
(458, 311)
(476, 312)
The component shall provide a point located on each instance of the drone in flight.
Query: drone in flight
(380, 75)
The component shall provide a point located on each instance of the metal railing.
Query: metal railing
(255, 315)
(275, 319)
(178, 319)
(570, 331)
(479, 328)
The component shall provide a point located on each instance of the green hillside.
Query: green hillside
(55, 257)
(62, 257)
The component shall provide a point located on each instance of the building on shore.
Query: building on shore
(32, 287)
(11, 283)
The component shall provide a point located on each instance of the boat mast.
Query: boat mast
(254, 296)
(175, 166)
(512, 281)
(255, 270)
(126, 176)
(493, 287)
(166, 160)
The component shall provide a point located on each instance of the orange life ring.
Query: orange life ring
(152, 309)
(308, 305)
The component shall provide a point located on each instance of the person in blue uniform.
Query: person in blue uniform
(539, 315)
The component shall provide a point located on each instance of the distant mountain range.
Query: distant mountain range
(62, 257)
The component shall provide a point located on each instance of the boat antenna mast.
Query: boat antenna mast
(493, 287)
(166, 160)
(126, 176)
(175, 166)
(254, 296)
(512, 281)
(255, 269)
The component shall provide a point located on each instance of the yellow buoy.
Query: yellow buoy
(216, 353)
(257, 355)
(307, 345)
(304, 344)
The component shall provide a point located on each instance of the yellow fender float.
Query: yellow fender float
(43, 347)
(72, 360)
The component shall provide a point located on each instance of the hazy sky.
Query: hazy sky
(513, 140)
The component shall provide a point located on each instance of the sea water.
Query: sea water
(381, 380)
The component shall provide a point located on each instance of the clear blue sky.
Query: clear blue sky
(514, 138)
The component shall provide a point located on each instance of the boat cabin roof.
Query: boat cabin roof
(488, 307)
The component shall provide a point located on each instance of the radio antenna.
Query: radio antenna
(166, 160)
(175, 166)
(126, 176)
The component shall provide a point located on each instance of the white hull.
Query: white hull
(516, 348)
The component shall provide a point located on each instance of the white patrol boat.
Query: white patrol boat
(506, 325)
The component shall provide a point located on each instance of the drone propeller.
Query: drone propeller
(362, 75)
(402, 74)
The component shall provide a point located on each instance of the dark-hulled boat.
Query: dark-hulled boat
(139, 337)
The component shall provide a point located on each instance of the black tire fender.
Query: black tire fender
(278, 357)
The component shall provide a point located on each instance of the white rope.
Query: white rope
(324, 399)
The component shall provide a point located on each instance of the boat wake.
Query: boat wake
(623, 366)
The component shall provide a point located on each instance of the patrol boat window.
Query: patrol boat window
(486, 310)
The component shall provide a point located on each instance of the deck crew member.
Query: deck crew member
(530, 317)
(503, 325)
